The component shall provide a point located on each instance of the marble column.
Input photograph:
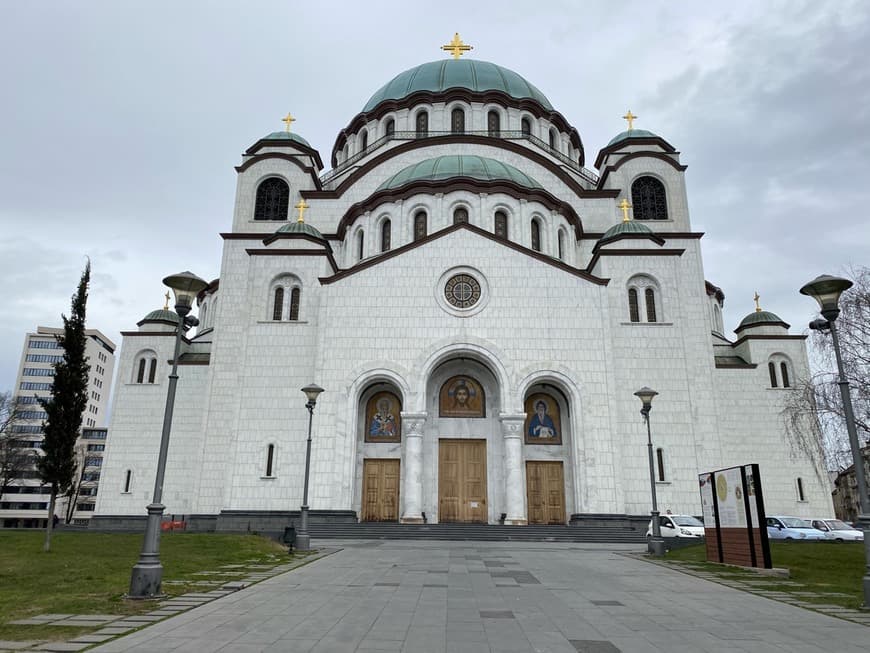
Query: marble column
(514, 474)
(412, 490)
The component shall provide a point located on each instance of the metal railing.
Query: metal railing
(585, 173)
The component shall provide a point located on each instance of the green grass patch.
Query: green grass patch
(88, 573)
(827, 569)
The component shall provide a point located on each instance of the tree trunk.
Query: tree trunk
(49, 523)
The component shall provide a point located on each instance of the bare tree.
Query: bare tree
(814, 411)
(15, 457)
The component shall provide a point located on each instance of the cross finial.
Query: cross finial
(301, 206)
(287, 120)
(631, 118)
(456, 47)
(625, 206)
(757, 305)
(166, 303)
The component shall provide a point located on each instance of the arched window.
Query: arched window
(660, 463)
(270, 460)
(457, 121)
(493, 123)
(360, 245)
(552, 139)
(422, 124)
(294, 303)
(650, 296)
(144, 364)
(526, 126)
(501, 224)
(648, 199)
(633, 310)
(128, 481)
(771, 370)
(140, 375)
(273, 198)
(784, 369)
(460, 215)
(385, 236)
(536, 235)
(561, 244)
(152, 370)
(278, 304)
(363, 140)
(419, 225)
(390, 127)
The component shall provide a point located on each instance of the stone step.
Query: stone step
(477, 532)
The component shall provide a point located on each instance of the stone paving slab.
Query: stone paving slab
(9, 645)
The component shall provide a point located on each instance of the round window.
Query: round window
(462, 291)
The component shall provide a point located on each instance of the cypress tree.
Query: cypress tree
(66, 404)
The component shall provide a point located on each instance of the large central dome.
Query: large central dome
(457, 165)
(438, 76)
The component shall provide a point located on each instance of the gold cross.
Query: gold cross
(631, 118)
(625, 206)
(456, 47)
(757, 306)
(301, 206)
(166, 304)
(287, 120)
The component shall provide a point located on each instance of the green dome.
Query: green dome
(624, 228)
(161, 315)
(299, 228)
(457, 165)
(761, 317)
(438, 76)
(633, 133)
(286, 136)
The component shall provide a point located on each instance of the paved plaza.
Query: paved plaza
(477, 597)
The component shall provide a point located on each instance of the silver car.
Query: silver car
(838, 530)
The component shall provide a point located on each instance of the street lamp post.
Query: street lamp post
(303, 539)
(656, 544)
(826, 290)
(147, 576)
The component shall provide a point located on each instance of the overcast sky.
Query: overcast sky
(122, 121)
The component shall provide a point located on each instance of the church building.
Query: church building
(480, 308)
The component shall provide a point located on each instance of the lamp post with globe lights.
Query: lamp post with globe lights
(826, 290)
(146, 579)
(656, 544)
(303, 539)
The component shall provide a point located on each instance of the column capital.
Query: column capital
(512, 424)
(412, 423)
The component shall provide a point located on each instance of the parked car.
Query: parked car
(838, 530)
(678, 526)
(792, 528)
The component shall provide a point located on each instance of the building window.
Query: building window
(128, 480)
(294, 304)
(140, 375)
(800, 489)
(278, 304)
(422, 124)
(536, 235)
(501, 224)
(648, 199)
(526, 127)
(650, 296)
(363, 140)
(360, 245)
(660, 463)
(552, 139)
(390, 127)
(146, 363)
(385, 236)
(270, 459)
(784, 369)
(152, 372)
(633, 312)
(771, 369)
(561, 244)
(493, 123)
(419, 225)
(457, 121)
(273, 198)
(460, 215)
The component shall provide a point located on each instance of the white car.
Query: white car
(780, 527)
(838, 530)
(678, 526)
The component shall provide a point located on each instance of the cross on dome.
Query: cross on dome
(625, 206)
(287, 120)
(301, 206)
(757, 305)
(456, 47)
(630, 117)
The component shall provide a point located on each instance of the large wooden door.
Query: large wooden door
(462, 481)
(546, 492)
(380, 498)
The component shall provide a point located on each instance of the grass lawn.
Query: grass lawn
(825, 568)
(87, 573)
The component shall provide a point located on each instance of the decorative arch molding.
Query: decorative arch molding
(639, 155)
(560, 377)
(309, 170)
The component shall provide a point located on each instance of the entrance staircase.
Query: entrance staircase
(477, 532)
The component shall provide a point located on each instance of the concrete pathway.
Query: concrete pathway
(471, 597)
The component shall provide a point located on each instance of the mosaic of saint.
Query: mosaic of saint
(543, 422)
(383, 419)
(461, 396)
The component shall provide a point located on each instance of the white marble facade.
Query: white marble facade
(556, 321)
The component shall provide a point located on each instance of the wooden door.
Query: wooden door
(462, 481)
(380, 499)
(546, 492)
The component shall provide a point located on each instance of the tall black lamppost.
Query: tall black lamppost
(656, 544)
(147, 576)
(303, 539)
(826, 290)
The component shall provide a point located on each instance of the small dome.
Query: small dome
(625, 228)
(757, 318)
(161, 315)
(632, 133)
(456, 165)
(299, 228)
(286, 136)
(474, 75)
